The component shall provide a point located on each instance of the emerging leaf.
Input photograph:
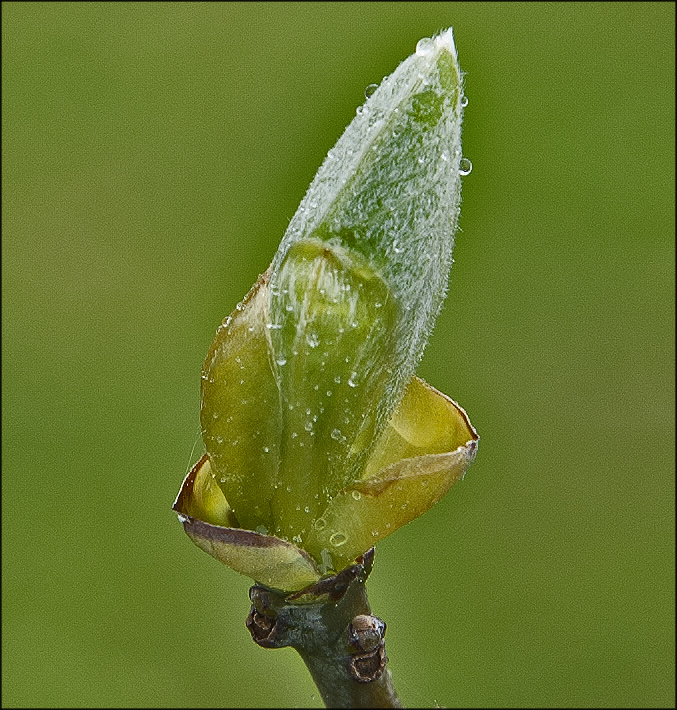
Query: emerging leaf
(320, 441)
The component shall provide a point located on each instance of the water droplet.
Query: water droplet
(266, 450)
(308, 426)
(370, 90)
(320, 524)
(425, 79)
(312, 339)
(296, 539)
(464, 101)
(374, 533)
(465, 168)
(337, 539)
(356, 495)
(329, 393)
(307, 509)
(273, 326)
(337, 379)
(424, 47)
(215, 415)
(352, 382)
(445, 155)
(281, 361)
(222, 479)
(396, 248)
(288, 489)
(219, 440)
(336, 434)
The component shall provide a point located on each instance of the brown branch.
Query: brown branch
(331, 626)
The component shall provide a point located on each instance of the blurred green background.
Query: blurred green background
(153, 154)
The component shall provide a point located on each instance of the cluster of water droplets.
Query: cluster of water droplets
(424, 48)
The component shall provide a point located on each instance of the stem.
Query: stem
(331, 626)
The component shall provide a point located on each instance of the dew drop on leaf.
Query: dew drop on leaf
(465, 168)
(337, 539)
(424, 47)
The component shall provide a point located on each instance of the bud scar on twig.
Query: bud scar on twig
(365, 636)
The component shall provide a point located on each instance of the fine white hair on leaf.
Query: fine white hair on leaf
(389, 191)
